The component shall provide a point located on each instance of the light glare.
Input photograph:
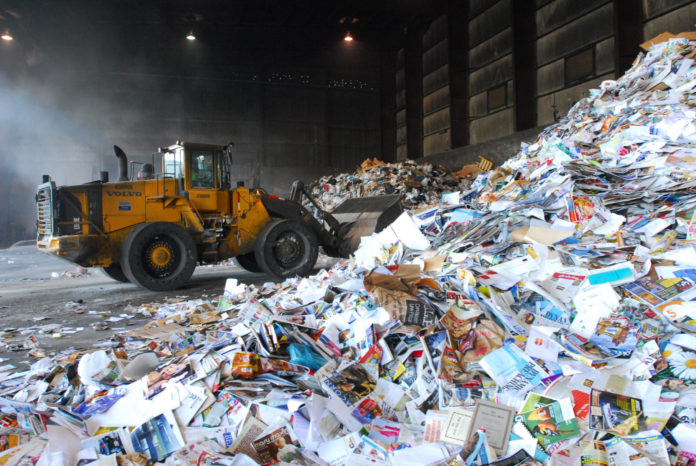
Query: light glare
(6, 37)
(190, 36)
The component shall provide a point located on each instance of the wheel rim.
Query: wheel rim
(161, 257)
(288, 249)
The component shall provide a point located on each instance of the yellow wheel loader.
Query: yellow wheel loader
(152, 230)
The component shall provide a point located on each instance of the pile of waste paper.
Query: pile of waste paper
(544, 313)
(419, 184)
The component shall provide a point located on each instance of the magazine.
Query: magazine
(534, 401)
(348, 389)
(615, 336)
(277, 446)
(249, 431)
(303, 320)
(350, 384)
(551, 423)
(657, 292)
(512, 369)
(98, 403)
(114, 442)
(174, 371)
(12, 437)
(158, 437)
(667, 297)
(616, 413)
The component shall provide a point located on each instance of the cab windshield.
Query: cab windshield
(202, 169)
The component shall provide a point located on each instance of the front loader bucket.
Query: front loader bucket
(363, 216)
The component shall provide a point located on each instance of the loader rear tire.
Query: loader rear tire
(158, 256)
(116, 272)
(285, 248)
(248, 262)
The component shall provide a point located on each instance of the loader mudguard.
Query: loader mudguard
(286, 209)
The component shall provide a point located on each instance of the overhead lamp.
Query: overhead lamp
(348, 37)
(7, 36)
(191, 36)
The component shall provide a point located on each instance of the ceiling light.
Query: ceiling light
(190, 36)
(6, 37)
(348, 37)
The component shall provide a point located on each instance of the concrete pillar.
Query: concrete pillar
(524, 57)
(388, 103)
(414, 90)
(628, 33)
(458, 21)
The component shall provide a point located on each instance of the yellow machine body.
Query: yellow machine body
(96, 218)
(152, 230)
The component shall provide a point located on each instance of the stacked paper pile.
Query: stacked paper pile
(543, 313)
(420, 184)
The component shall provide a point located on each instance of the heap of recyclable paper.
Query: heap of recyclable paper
(539, 312)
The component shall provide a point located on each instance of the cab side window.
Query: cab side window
(202, 169)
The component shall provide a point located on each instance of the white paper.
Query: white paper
(540, 344)
(593, 304)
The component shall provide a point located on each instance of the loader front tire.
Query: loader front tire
(285, 248)
(116, 272)
(158, 256)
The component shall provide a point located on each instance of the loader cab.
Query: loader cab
(205, 170)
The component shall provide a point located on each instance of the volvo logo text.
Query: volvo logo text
(124, 193)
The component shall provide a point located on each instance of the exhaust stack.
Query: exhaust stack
(122, 164)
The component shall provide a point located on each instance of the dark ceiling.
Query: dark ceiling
(256, 25)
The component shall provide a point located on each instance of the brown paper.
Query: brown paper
(499, 174)
(405, 308)
(489, 337)
(430, 283)
(388, 282)
(409, 273)
(203, 318)
(665, 36)
(162, 332)
(434, 264)
(470, 170)
(132, 459)
(173, 319)
(540, 235)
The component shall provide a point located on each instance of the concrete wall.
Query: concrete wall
(608, 31)
(401, 119)
(668, 15)
(436, 93)
(496, 150)
(564, 28)
(303, 123)
(490, 67)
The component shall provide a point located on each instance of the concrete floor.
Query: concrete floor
(28, 292)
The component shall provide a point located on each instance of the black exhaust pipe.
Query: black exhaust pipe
(122, 164)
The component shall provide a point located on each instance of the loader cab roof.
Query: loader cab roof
(193, 145)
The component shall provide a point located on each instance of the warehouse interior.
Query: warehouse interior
(348, 232)
(439, 79)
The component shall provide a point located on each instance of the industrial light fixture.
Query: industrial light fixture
(7, 36)
(346, 20)
(191, 36)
